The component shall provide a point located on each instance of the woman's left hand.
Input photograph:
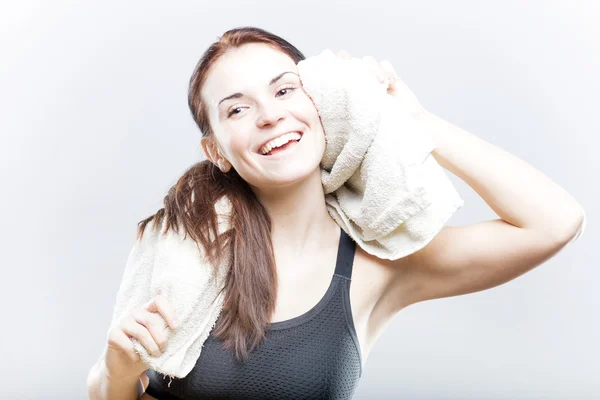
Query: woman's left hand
(385, 73)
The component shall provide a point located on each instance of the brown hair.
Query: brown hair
(251, 283)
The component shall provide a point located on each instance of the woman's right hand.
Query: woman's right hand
(148, 325)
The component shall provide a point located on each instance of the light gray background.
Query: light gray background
(95, 128)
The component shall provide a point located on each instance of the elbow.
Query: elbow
(573, 230)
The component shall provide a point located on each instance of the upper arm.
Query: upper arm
(467, 259)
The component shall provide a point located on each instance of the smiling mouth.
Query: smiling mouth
(286, 146)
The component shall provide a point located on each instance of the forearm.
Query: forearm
(517, 192)
(100, 387)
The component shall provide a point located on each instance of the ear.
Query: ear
(209, 146)
(210, 149)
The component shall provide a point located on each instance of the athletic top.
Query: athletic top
(313, 356)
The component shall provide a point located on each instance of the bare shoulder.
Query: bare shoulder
(373, 308)
(380, 277)
(376, 276)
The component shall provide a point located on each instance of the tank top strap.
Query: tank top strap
(345, 256)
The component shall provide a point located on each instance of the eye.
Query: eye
(231, 112)
(288, 88)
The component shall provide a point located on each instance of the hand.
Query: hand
(147, 325)
(385, 73)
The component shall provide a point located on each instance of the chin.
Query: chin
(294, 174)
(290, 175)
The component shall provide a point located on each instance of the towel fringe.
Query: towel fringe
(171, 377)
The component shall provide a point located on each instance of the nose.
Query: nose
(270, 113)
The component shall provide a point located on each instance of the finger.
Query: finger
(155, 325)
(392, 77)
(135, 330)
(389, 70)
(375, 68)
(161, 305)
(344, 54)
(117, 339)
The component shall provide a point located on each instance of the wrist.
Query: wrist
(117, 379)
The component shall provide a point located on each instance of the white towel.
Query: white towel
(382, 185)
(175, 267)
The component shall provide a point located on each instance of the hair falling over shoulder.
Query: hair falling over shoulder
(251, 283)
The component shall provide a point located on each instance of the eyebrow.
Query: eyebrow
(274, 80)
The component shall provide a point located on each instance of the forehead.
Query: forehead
(244, 69)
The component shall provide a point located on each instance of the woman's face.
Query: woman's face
(253, 95)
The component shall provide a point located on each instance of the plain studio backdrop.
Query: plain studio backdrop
(95, 128)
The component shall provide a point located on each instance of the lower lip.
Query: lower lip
(290, 146)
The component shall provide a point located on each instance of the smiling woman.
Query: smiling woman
(303, 304)
(253, 95)
(264, 134)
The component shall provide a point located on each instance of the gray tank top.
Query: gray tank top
(313, 356)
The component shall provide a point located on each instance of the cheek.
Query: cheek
(309, 111)
(238, 145)
(228, 145)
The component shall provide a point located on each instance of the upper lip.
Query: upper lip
(275, 137)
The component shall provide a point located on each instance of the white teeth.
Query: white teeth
(280, 141)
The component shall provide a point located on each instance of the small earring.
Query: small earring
(222, 165)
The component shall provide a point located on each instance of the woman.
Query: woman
(304, 304)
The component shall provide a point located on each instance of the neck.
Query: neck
(299, 216)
